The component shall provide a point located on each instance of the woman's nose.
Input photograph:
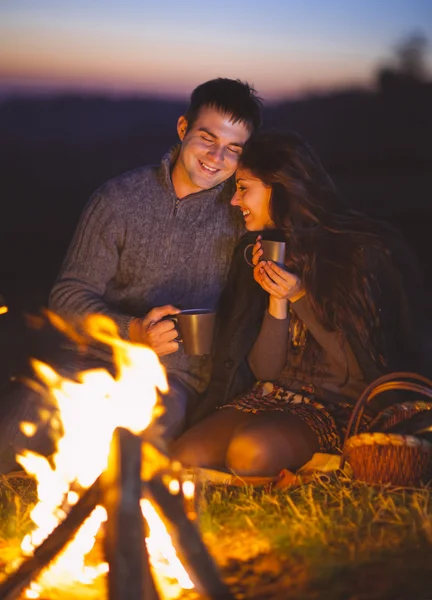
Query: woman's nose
(235, 200)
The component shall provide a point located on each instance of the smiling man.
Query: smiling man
(160, 239)
(210, 149)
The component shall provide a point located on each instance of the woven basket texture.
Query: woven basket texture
(400, 460)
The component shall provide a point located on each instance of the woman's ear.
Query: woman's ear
(182, 125)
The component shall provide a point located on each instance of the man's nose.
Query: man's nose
(217, 153)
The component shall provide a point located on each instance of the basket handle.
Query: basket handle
(412, 382)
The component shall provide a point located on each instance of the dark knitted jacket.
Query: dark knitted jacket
(240, 315)
(241, 312)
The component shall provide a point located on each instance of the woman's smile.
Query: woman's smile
(253, 198)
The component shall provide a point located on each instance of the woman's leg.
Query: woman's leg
(269, 442)
(205, 444)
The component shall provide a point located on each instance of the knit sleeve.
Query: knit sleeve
(268, 356)
(91, 263)
(334, 344)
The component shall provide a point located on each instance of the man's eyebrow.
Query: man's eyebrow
(214, 136)
(207, 131)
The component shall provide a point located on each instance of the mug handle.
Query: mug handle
(174, 319)
(244, 254)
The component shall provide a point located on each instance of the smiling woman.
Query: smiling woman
(345, 307)
(253, 199)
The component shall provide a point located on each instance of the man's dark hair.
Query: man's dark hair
(229, 96)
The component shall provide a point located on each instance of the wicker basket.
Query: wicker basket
(402, 460)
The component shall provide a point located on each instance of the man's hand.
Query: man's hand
(158, 334)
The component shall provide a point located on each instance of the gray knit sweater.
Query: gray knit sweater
(137, 247)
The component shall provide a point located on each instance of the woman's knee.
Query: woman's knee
(194, 449)
(205, 444)
(190, 452)
(270, 444)
(251, 454)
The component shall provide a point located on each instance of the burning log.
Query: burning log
(81, 458)
(54, 543)
(200, 565)
(120, 489)
(129, 571)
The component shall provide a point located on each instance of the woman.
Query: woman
(341, 312)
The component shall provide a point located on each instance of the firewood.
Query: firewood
(187, 541)
(12, 587)
(125, 548)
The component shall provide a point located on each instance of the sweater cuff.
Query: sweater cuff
(275, 325)
(303, 309)
(123, 323)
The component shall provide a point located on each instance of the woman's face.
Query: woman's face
(253, 199)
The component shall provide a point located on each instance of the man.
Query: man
(160, 239)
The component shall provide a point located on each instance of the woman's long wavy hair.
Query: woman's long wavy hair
(329, 246)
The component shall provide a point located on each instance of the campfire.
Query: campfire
(108, 478)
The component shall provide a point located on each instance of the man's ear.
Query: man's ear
(182, 125)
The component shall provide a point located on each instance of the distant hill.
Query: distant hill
(78, 120)
(55, 151)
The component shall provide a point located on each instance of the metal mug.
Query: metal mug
(272, 250)
(196, 328)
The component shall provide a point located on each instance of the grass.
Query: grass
(17, 498)
(349, 517)
(331, 538)
(345, 537)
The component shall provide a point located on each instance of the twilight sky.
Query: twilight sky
(167, 47)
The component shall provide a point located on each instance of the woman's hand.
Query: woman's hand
(280, 284)
(277, 282)
(257, 251)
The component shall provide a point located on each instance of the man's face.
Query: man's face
(209, 152)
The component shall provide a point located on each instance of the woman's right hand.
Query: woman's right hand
(281, 285)
(257, 252)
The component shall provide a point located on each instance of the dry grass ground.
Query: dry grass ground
(330, 539)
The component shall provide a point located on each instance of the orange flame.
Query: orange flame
(90, 410)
